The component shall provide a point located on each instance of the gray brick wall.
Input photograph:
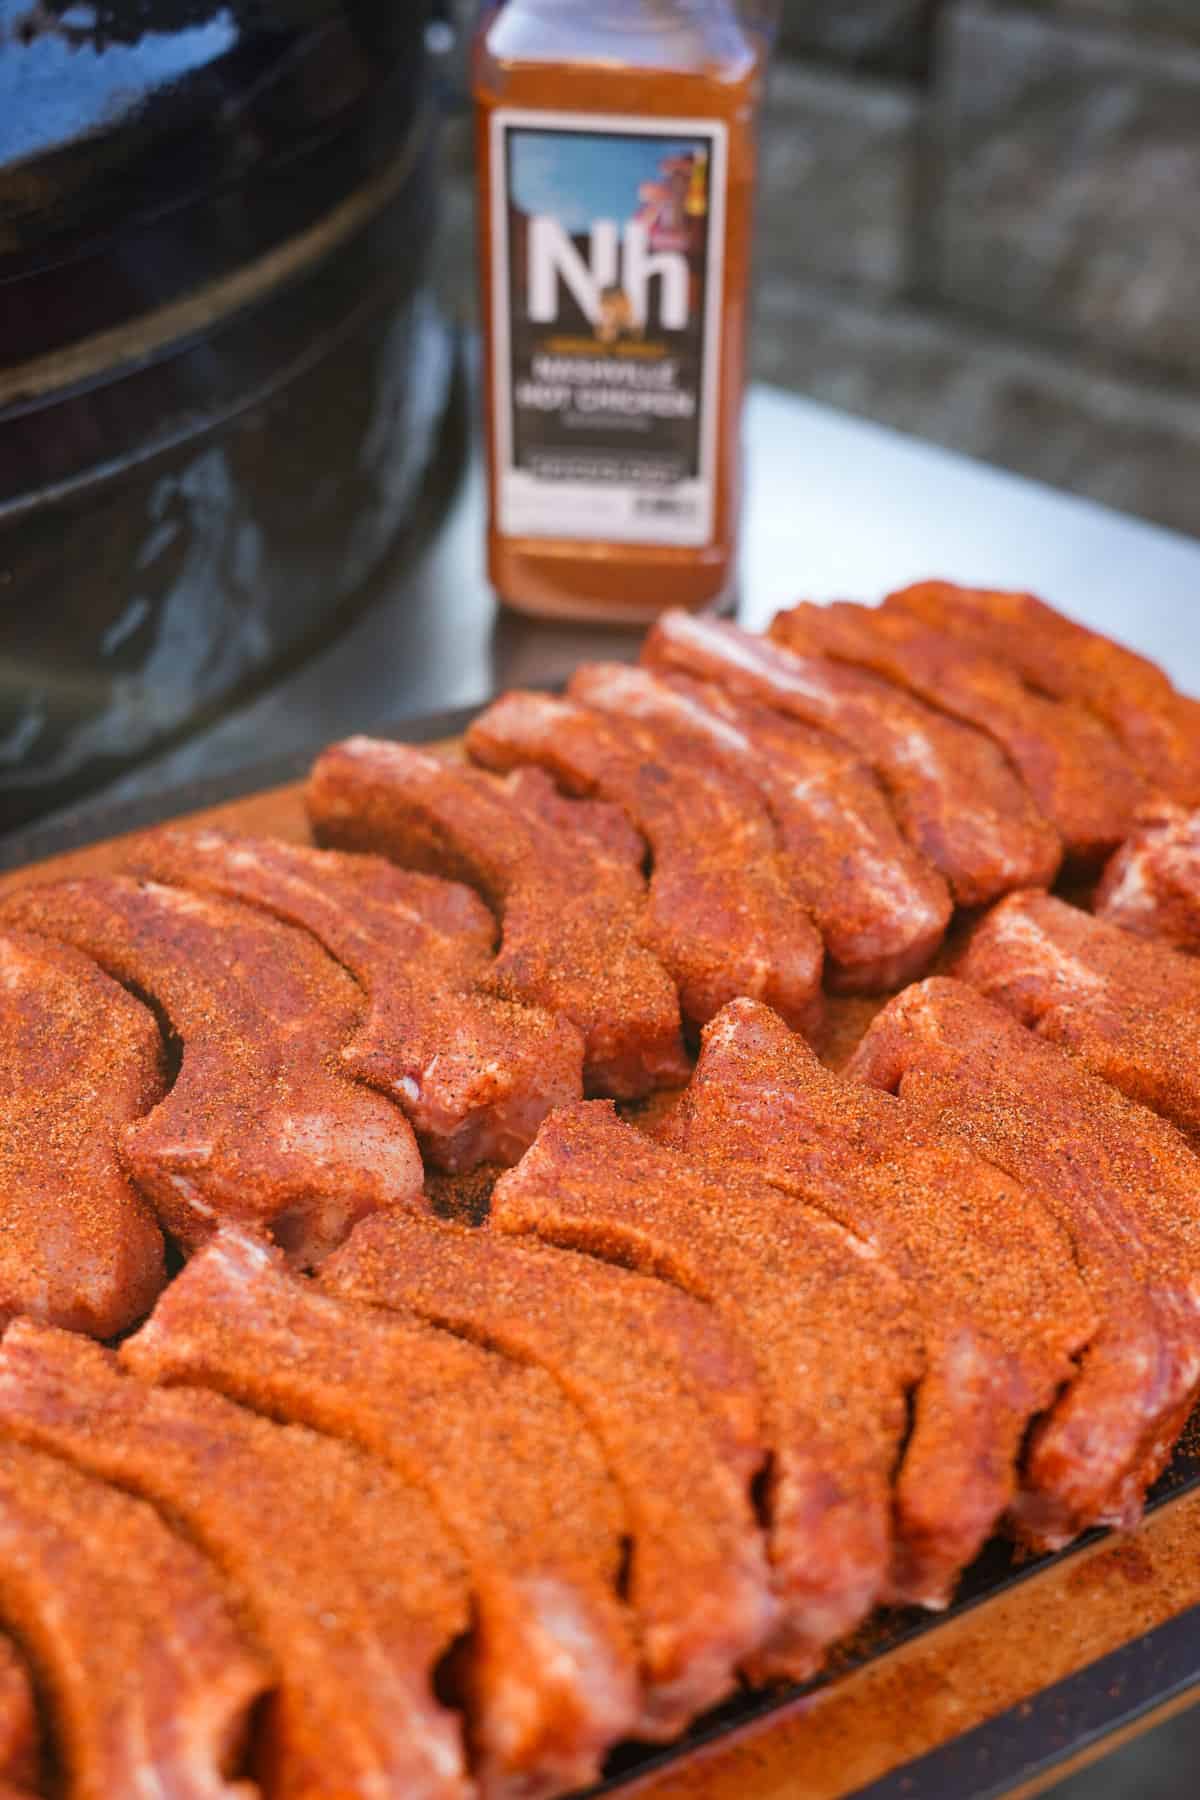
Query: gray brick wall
(838, 173)
(1166, 18)
(1068, 181)
(1014, 271)
(889, 35)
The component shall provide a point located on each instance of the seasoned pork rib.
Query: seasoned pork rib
(549, 1674)
(1152, 885)
(835, 1352)
(1158, 726)
(1127, 1190)
(1128, 1009)
(1069, 760)
(720, 915)
(261, 1124)
(955, 798)
(996, 1292)
(476, 1075)
(80, 1060)
(881, 909)
(569, 899)
(689, 1342)
(698, 1579)
(304, 1530)
(145, 1678)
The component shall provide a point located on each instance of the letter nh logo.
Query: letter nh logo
(553, 257)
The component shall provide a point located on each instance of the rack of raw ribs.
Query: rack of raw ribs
(312, 1485)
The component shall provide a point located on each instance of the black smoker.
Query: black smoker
(224, 385)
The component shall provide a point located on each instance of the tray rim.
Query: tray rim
(93, 821)
(1108, 1704)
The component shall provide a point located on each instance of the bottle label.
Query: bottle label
(607, 238)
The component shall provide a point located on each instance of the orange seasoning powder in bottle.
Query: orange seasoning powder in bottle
(617, 160)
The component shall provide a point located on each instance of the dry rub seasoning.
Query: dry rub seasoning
(617, 165)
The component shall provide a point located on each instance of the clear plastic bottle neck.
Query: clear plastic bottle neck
(638, 15)
(686, 35)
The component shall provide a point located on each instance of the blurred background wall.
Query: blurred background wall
(981, 224)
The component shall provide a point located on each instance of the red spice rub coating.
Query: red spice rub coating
(1152, 885)
(146, 1681)
(688, 1338)
(549, 1674)
(880, 908)
(80, 1060)
(262, 1124)
(826, 1324)
(1158, 726)
(340, 1569)
(720, 914)
(955, 798)
(1127, 1008)
(605, 827)
(1124, 1186)
(20, 1734)
(569, 901)
(698, 1578)
(1069, 760)
(994, 1286)
(476, 1075)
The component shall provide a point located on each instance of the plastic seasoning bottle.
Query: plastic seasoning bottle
(617, 158)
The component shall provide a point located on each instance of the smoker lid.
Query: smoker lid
(149, 148)
(114, 111)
